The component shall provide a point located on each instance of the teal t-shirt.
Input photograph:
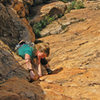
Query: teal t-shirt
(25, 49)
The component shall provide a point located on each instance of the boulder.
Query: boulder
(13, 78)
(9, 66)
(19, 89)
(12, 29)
(5, 95)
(20, 6)
(55, 8)
(52, 9)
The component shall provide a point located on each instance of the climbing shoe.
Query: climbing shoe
(49, 71)
(31, 80)
(33, 76)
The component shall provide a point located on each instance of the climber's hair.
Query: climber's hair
(44, 47)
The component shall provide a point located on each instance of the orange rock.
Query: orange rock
(31, 34)
(75, 58)
(55, 8)
(20, 9)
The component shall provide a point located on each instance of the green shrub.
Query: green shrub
(37, 27)
(49, 19)
(63, 27)
(60, 15)
(37, 33)
(79, 5)
(65, 1)
(71, 6)
(75, 5)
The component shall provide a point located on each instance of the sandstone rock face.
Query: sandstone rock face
(31, 33)
(75, 59)
(12, 29)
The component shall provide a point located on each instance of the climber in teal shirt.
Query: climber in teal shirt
(28, 53)
(25, 49)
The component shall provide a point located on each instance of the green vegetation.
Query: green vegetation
(63, 27)
(60, 15)
(37, 27)
(65, 1)
(75, 5)
(79, 5)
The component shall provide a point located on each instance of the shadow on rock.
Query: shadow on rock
(20, 89)
(57, 70)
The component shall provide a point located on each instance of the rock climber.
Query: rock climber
(28, 53)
